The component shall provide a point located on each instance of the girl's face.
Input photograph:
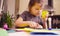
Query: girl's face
(35, 10)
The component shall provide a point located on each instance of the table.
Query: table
(29, 31)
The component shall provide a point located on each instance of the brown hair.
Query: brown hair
(32, 3)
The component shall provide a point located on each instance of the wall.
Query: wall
(11, 6)
(23, 5)
(56, 5)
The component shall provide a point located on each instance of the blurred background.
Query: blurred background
(18, 6)
(15, 7)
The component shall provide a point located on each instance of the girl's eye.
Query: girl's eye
(37, 9)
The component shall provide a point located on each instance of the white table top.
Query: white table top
(34, 30)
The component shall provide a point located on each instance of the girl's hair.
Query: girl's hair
(32, 3)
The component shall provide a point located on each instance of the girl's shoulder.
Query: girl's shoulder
(25, 12)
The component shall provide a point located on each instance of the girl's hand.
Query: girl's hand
(39, 26)
(34, 25)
